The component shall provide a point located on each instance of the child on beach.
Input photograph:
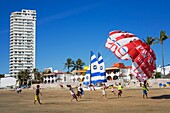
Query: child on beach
(91, 86)
(80, 91)
(37, 94)
(112, 90)
(61, 85)
(145, 89)
(120, 90)
(73, 94)
(103, 91)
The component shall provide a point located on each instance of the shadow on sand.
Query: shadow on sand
(50, 103)
(161, 97)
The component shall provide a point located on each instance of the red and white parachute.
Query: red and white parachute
(126, 46)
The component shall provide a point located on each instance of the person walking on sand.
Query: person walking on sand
(145, 89)
(37, 95)
(120, 88)
(73, 94)
(103, 91)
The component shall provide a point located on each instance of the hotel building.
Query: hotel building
(22, 41)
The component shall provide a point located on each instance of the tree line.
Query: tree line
(24, 77)
(74, 65)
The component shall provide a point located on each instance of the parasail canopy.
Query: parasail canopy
(127, 46)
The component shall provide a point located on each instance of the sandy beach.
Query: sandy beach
(59, 101)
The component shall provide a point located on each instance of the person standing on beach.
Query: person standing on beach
(103, 91)
(79, 91)
(112, 90)
(120, 88)
(37, 95)
(145, 89)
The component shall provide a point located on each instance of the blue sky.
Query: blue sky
(72, 28)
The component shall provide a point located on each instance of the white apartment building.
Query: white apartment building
(22, 41)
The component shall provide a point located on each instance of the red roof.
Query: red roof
(121, 65)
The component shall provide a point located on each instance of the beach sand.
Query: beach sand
(59, 101)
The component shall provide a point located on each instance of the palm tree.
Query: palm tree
(2, 75)
(69, 64)
(23, 77)
(149, 41)
(47, 71)
(38, 75)
(35, 72)
(160, 40)
(20, 77)
(78, 65)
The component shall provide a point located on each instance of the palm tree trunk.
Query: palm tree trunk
(163, 60)
(68, 69)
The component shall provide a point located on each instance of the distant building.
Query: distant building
(118, 71)
(6, 75)
(78, 75)
(8, 82)
(22, 41)
(166, 67)
(48, 70)
(56, 77)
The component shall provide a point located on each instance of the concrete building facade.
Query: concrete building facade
(56, 77)
(118, 71)
(22, 41)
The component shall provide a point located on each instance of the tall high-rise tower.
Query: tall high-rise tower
(22, 41)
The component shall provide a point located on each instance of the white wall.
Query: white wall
(7, 81)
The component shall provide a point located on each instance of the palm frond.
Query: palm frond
(156, 40)
(163, 36)
(144, 40)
